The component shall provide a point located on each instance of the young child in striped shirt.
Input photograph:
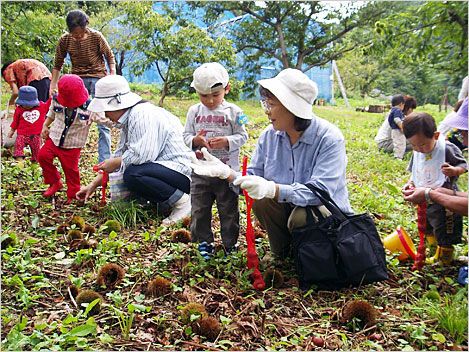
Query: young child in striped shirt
(65, 132)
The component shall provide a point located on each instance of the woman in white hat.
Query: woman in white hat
(297, 148)
(151, 152)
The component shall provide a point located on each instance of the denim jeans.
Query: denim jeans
(156, 183)
(104, 141)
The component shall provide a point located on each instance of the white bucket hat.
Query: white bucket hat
(112, 93)
(294, 90)
(210, 78)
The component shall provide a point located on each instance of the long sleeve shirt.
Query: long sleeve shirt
(72, 132)
(87, 55)
(222, 121)
(318, 157)
(29, 122)
(152, 134)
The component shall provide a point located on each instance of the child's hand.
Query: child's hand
(218, 143)
(199, 140)
(45, 132)
(11, 133)
(451, 171)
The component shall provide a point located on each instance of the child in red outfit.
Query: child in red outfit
(28, 119)
(69, 122)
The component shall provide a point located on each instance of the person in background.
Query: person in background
(30, 114)
(151, 153)
(219, 126)
(410, 104)
(27, 72)
(65, 132)
(390, 138)
(296, 148)
(89, 52)
(435, 163)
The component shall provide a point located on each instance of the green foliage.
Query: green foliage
(429, 33)
(174, 48)
(450, 313)
(290, 33)
(127, 213)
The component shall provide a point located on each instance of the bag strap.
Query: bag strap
(327, 201)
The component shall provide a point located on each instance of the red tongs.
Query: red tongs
(104, 182)
(419, 260)
(252, 259)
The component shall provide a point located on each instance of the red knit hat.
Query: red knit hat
(72, 91)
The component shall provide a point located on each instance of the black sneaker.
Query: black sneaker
(231, 250)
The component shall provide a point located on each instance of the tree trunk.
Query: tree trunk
(164, 93)
(281, 40)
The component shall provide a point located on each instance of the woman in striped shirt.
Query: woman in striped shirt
(151, 153)
(88, 51)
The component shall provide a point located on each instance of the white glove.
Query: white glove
(257, 187)
(211, 166)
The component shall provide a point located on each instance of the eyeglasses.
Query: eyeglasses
(266, 105)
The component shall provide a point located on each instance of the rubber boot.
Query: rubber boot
(443, 255)
(431, 239)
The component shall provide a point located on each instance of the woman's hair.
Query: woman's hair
(76, 18)
(419, 123)
(299, 123)
(409, 103)
(5, 66)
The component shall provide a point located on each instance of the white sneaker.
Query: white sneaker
(181, 209)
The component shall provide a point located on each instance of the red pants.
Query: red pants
(68, 159)
(22, 140)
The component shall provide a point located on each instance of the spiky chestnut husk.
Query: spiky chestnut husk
(181, 235)
(112, 225)
(78, 221)
(88, 229)
(110, 275)
(74, 234)
(62, 229)
(159, 286)
(192, 308)
(359, 309)
(7, 242)
(186, 222)
(273, 278)
(208, 327)
(74, 291)
(88, 296)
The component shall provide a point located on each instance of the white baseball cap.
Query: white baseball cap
(113, 93)
(209, 78)
(294, 90)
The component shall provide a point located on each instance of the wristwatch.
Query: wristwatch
(427, 195)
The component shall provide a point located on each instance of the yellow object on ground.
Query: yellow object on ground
(443, 255)
(399, 241)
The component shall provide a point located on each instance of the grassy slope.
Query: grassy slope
(277, 318)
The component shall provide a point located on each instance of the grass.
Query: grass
(38, 267)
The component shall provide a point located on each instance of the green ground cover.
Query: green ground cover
(424, 310)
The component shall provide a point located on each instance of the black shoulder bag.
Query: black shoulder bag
(339, 250)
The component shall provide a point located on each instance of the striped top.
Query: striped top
(23, 71)
(76, 135)
(87, 55)
(152, 134)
